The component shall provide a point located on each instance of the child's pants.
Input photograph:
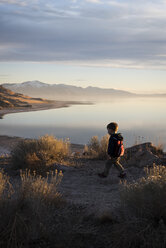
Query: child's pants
(109, 164)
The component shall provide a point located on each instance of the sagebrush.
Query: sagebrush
(41, 189)
(25, 206)
(146, 198)
(143, 212)
(39, 154)
(97, 148)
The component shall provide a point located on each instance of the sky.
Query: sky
(117, 44)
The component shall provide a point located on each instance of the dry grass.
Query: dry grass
(159, 149)
(41, 189)
(97, 148)
(143, 212)
(147, 197)
(138, 234)
(39, 155)
(24, 207)
(6, 189)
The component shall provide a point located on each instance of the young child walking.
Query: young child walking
(115, 150)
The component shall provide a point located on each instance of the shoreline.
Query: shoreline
(41, 106)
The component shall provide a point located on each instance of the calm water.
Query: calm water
(139, 120)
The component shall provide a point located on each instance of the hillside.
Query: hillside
(10, 99)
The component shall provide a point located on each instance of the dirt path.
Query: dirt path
(82, 186)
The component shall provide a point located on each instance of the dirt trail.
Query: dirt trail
(83, 186)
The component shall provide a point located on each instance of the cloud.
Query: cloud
(93, 1)
(118, 4)
(122, 34)
(14, 2)
(4, 75)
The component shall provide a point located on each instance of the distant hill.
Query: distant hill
(64, 92)
(10, 99)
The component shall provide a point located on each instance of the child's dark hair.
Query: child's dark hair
(113, 126)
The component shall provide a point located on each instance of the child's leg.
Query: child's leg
(118, 165)
(108, 166)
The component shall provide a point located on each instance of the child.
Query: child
(115, 150)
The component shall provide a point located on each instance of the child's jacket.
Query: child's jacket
(112, 143)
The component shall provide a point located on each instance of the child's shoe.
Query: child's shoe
(122, 175)
(102, 175)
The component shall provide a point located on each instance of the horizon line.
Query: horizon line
(127, 90)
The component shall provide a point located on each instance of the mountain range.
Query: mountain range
(10, 99)
(64, 92)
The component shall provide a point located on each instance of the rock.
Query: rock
(142, 155)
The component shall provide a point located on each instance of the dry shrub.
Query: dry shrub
(138, 234)
(12, 225)
(97, 148)
(147, 197)
(41, 189)
(5, 185)
(39, 155)
(159, 149)
(25, 206)
(143, 212)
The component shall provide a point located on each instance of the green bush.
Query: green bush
(97, 148)
(38, 155)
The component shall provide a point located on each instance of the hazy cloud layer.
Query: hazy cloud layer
(90, 32)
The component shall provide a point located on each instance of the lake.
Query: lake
(140, 120)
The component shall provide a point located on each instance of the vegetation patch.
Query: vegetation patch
(26, 206)
(143, 212)
(97, 148)
(39, 154)
(147, 197)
